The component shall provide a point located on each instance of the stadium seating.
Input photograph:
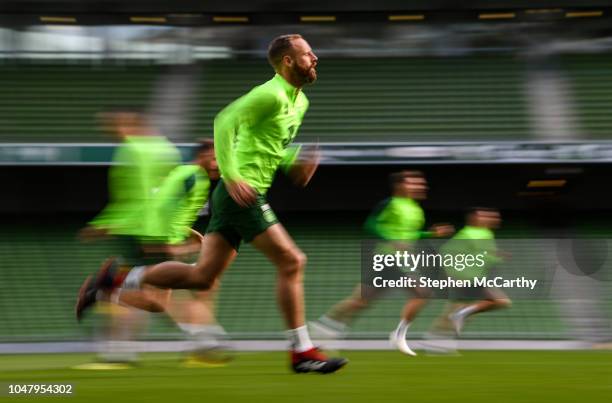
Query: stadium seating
(425, 99)
(58, 103)
(395, 99)
(592, 90)
(356, 99)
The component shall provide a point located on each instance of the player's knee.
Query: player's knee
(293, 263)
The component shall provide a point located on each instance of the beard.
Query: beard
(305, 75)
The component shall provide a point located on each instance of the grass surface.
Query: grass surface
(475, 376)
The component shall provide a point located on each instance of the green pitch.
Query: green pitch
(475, 376)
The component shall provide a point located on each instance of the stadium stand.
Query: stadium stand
(395, 99)
(416, 99)
(592, 91)
(58, 103)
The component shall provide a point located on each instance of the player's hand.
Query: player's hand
(504, 255)
(442, 230)
(303, 170)
(241, 192)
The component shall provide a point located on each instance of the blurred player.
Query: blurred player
(398, 222)
(251, 139)
(477, 236)
(140, 164)
(177, 202)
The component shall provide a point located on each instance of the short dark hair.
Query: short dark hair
(279, 47)
(117, 109)
(398, 177)
(111, 113)
(473, 210)
(204, 145)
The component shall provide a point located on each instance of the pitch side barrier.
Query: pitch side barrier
(340, 153)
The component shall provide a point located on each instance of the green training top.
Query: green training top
(140, 164)
(472, 241)
(180, 198)
(253, 132)
(397, 218)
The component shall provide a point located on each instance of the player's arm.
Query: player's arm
(251, 109)
(377, 222)
(438, 231)
(494, 256)
(300, 165)
(120, 193)
(169, 194)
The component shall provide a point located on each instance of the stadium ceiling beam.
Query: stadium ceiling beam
(203, 13)
(257, 6)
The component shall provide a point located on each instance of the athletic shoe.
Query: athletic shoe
(440, 343)
(314, 361)
(208, 358)
(106, 280)
(400, 344)
(86, 297)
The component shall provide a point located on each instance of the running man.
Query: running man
(179, 201)
(177, 204)
(252, 136)
(141, 162)
(398, 222)
(477, 236)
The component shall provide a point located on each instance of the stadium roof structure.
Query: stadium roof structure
(201, 13)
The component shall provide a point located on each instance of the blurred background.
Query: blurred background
(500, 103)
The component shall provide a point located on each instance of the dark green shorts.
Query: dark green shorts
(236, 223)
(131, 249)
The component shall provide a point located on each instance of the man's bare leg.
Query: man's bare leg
(497, 300)
(412, 308)
(290, 262)
(215, 256)
(334, 323)
(138, 299)
(122, 326)
(194, 313)
(195, 308)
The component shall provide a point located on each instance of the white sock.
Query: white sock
(134, 278)
(299, 339)
(115, 297)
(402, 328)
(194, 329)
(465, 312)
(191, 329)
